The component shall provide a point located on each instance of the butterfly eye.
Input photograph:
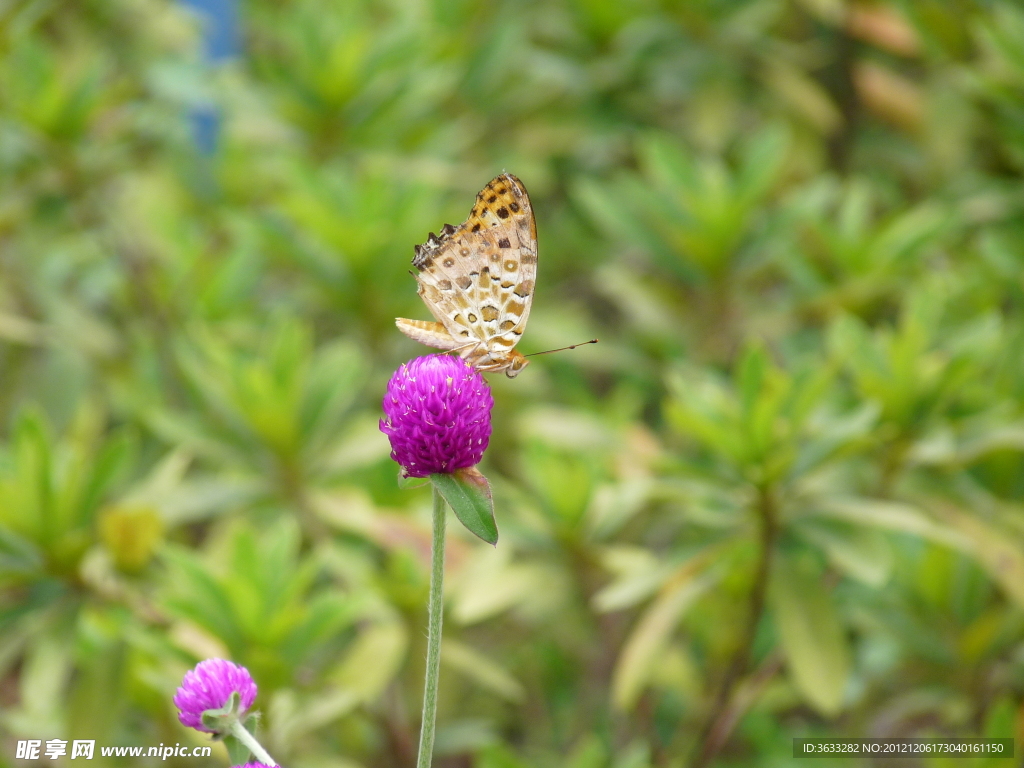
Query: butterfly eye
(516, 365)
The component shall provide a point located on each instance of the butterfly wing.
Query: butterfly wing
(478, 279)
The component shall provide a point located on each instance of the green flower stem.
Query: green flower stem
(239, 732)
(435, 613)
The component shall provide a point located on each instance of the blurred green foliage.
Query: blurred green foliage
(783, 497)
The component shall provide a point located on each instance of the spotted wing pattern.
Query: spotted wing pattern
(477, 280)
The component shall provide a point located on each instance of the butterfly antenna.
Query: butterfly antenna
(562, 349)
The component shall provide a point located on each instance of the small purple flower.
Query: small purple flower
(255, 765)
(209, 686)
(437, 415)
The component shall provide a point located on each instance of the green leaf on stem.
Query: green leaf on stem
(469, 495)
(406, 483)
(237, 751)
(220, 720)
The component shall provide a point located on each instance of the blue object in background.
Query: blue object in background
(221, 41)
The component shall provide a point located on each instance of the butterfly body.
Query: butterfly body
(478, 279)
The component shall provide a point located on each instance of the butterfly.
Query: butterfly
(477, 280)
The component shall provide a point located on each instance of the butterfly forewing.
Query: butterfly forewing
(478, 279)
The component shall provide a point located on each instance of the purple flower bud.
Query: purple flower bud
(209, 686)
(437, 415)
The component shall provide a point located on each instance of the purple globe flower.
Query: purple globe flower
(209, 686)
(437, 415)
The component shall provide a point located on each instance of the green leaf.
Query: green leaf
(892, 516)
(110, 460)
(590, 753)
(18, 555)
(237, 751)
(482, 669)
(220, 720)
(199, 596)
(469, 495)
(763, 158)
(860, 552)
(294, 719)
(812, 638)
(32, 452)
(750, 377)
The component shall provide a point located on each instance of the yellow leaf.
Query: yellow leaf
(999, 553)
(812, 638)
(652, 632)
(373, 660)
